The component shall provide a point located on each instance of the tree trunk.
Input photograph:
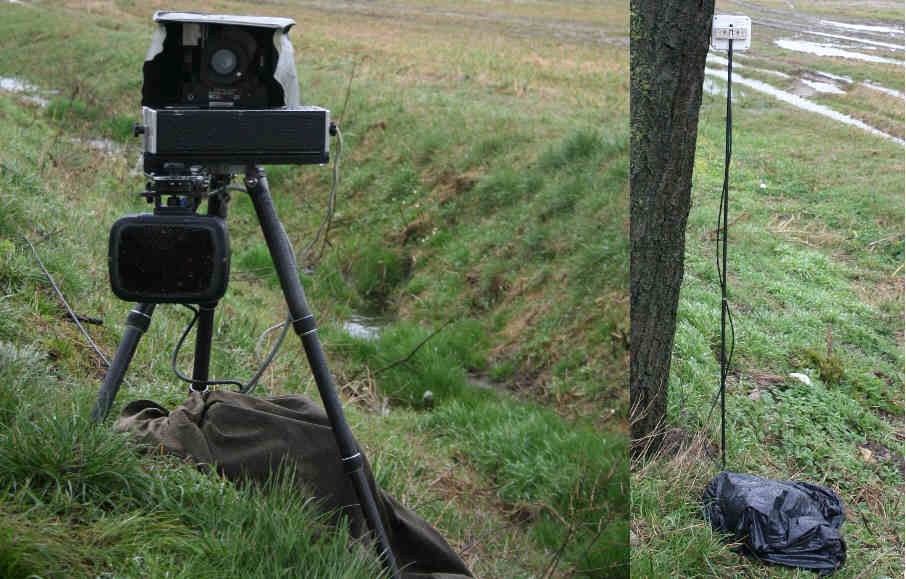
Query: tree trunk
(668, 44)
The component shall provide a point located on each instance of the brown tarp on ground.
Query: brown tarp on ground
(251, 438)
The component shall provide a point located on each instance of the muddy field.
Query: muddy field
(844, 62)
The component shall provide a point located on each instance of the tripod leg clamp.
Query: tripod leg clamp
(305, 326)
(138, 320)
(353, 463)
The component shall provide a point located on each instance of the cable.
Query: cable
(725, 314)
(250, 385)
(178, 347)
(264, 335)
(243, 388)
(331, 201)
(72, 314)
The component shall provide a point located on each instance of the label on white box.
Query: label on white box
(725, 28)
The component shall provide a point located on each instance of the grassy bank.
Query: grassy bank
(815, 287)
(466, 195)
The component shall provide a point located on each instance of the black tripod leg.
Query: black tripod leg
(304, 325)
(203, 342)
(217, 206)
(136, 324)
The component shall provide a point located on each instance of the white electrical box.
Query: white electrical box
(725, 28)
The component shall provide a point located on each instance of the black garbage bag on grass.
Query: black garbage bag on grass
(789, 523)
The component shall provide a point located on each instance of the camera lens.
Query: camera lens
(224, 61)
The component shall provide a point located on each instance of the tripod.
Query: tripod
(303, 323)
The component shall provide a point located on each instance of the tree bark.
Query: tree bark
(668, 45)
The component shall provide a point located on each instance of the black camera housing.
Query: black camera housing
(182, 74)
(221, 91)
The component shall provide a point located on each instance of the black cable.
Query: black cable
(331, 203)
(720, 252)
(243, 388)
(722, 268)
(179, 374)
(59, 293)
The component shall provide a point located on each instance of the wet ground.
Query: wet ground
(845, 68)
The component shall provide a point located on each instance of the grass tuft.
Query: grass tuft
(65, 458)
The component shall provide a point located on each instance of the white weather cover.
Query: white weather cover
(285, 72)
(157, 43)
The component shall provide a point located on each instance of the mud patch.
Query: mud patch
(28, 92)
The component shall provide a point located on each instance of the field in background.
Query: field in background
(815, 275)
(484, 181)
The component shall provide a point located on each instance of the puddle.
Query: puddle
(823, 87)
(711, 87)
(857, 40)
(865, 83)
(364, 328)
(883, 89)
(28, 91)
(10, 84)
(801, 103)
(35, 99)
(479, 381)
(865, 28)
(827, 50)
(16, 85)
(834, 76)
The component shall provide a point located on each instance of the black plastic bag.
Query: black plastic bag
(788, 523)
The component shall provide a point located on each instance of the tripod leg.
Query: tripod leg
(304, 325)
(217, 206)
(136, 324)
(203, 342)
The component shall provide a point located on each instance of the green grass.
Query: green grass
(463, 200)
(817, 252)
(537, 458)
(79, 499)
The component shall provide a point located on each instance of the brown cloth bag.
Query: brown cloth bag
(251, 438)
